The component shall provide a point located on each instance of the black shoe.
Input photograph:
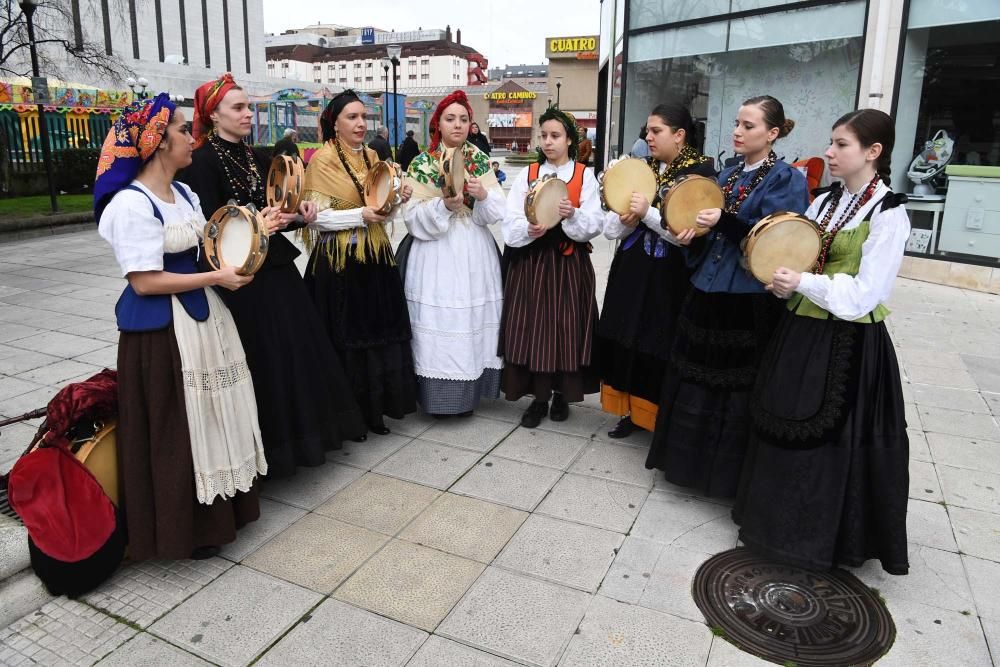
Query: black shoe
(360, 438)
(623, 428)
(204, 553)
(559, 411)
(379, 428)
(442, 416)
(467, 413)
(532, 417)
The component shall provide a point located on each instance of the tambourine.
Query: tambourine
(452, 169)
(685, 198)
(285, 181)
(621, 179)
(781, 239)
(541, 205)
(384, 187)
(236, 236)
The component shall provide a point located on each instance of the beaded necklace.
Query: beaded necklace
(858, 201)
(249, 182)
(686, 158)
(349, 169)
(734, 205)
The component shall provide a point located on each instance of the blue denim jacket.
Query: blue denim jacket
(716, 259)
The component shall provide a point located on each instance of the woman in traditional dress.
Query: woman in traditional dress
(550, 307)
(189, 446)
(451, 270)
(352, 273)
(825, 480)
(648, 280)
(702, 426)
(303, 397)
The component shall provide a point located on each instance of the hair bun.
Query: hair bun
(787, 127)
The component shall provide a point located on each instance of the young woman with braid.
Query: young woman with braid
(648, 280)
(352, 273)
(702, 426)
(303, 397)
(825, 480)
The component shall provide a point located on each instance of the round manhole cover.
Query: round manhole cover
(787, 614)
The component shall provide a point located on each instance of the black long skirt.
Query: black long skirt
(157, 491)
(702, 426)
(363, 310)
(304, 400)
(826, 476)
(548, 325)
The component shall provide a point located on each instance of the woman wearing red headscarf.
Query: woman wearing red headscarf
(303, 397)
(451, 270)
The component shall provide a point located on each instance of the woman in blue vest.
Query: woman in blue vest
(702, 424)
(189, 445)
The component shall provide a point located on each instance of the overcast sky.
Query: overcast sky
(507, 32)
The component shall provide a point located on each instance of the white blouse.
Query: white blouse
(138, 239)
(614, 229)
(851, 297)
(586, 222)
(430, 219)
(336, 220)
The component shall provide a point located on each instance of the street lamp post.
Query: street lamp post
(29, 7)
(138, 86)
(558, 87)
(394, 51)
(386, 64)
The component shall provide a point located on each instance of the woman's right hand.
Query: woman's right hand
(454, 204)
(228, 278)
(369, 216)
(686, 236)
(536, 231)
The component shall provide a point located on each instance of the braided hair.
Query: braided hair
(569, 123)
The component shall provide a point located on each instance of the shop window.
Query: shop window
(810, 59)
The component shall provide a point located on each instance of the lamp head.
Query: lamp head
(394, 51)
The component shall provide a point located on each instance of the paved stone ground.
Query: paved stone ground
(478, 542)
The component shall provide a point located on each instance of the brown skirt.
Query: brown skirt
(548, 325)
(163, 516)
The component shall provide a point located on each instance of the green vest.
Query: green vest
(844, 257)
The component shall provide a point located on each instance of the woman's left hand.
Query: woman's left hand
(309, 211)
(708, 217)
(476, 188)
(406, 193)
(566, 209)
(785, 282)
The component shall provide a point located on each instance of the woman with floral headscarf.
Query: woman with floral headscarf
(550, 307)
(189, 446)
(451, 270)
(303, 397)
(352, 273)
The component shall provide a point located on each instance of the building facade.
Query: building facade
(572, 78)
(933, 65)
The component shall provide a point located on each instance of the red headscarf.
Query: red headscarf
(206, 98)
(457, 97)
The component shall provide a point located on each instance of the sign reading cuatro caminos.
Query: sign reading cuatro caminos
(578, 48)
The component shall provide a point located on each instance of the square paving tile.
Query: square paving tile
(583, 422)
(959, 452)
(465, 527)
(565, 553)
(669, 586)
(686, 522)
(62, 632)
(928, 635)
(918, 445)
(145, 650)
(316, 552)
(974, 489)
(963, 400)
(16, 362)
(475, 433)
(985, 370)
(382, 504)
(614, 633)
(429, 463)
(724, 654)
(412, 425)
(992, 630)
(11, 386)
(368, 454)
(274, 518)
(143, 592)
(942, 377)
(106, 357)
(631, 570)
(595, 502)
(929, 525)
(924, 482)
(544, 448)
(984, 579)
(516, 617)
(978, 533)
(615, 462)
(59, 372)
(504, 410)
(59, 344)
(438, 651)
(953, 422)
(310, 487)
(410, 583)
(512, 483)
(930, 570)
(236, 617)
(338, 634)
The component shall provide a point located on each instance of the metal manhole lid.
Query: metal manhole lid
(787, 614)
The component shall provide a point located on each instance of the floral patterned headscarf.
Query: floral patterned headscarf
(130, 144)
(206, 99)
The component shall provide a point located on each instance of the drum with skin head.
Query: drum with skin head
(236, 236)
(285, 179)
(781, 239)
(685, 198)
(452, 169)
(541, 205)
(621, 179)
(383, 187)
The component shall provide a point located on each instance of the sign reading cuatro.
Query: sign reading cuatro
(580, 48)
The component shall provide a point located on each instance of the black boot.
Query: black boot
(559, 411)
(623, 428)
(378, 427)
(532, 417)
